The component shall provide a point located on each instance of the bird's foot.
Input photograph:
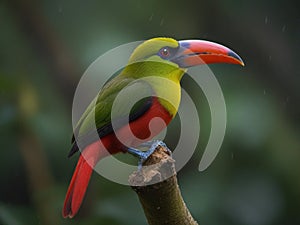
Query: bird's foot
(144, 155)
(155, 144)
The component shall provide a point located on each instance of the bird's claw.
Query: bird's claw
(144, 155)
(156, 143)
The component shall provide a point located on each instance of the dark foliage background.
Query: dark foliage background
(46, 47)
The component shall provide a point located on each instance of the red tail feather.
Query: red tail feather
(80, 180)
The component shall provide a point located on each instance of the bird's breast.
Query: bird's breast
(144, 128)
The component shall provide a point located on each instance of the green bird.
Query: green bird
(152, 76)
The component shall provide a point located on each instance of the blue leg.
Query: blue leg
(143, 156)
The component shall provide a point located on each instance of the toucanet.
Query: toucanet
(154, 71)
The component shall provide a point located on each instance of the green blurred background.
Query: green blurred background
(47, 45)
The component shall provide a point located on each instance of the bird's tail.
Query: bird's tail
(80, 180)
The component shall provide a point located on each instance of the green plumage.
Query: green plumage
(145, 75)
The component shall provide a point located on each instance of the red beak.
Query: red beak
(197, 52)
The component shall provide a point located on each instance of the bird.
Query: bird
(152, 65)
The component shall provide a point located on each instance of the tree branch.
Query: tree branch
(158, 191)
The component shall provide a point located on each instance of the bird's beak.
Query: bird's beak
(197, 52)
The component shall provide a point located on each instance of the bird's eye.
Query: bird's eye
(164, 53)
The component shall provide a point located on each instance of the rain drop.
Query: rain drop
(161, 22)
(151, 17)
(60, 9)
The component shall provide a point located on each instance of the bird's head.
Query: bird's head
(180, 55)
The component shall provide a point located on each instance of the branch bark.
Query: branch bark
(158, 191)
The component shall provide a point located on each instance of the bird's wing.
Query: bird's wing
(121, 95)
